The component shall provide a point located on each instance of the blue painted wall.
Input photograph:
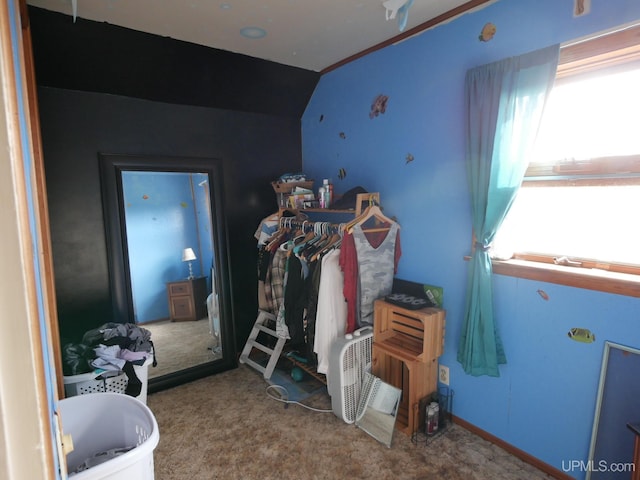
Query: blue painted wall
(165, 213)
(544, 400)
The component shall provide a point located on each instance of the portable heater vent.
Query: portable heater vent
(350, 359)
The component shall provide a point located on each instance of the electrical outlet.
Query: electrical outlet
(443, 374)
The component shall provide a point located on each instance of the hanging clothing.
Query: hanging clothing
(331, 317)
(349, 266)
(313, 287)
(276, 280)
(268, 226)
(266, 300)
(295, 299)
(376, 267)
(369, 261)
(278, 285)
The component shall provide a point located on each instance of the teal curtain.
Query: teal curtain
(504, 102)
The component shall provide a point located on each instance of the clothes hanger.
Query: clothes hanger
(295, 235)
(320, 239)
(332, 243)
(284, 229)
(318, 243)
(373, 210)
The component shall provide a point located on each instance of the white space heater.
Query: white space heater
(350, 359)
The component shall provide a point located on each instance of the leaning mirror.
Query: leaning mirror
(165, 228)
(378, 408)
(616, 426)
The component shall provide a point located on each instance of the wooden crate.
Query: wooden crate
(416, 380)
(411, 335)
(406, 347)
(288, 187)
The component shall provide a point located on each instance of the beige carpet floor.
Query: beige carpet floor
(226, 427)
(180, 345)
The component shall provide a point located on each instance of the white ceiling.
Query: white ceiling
(310, 34)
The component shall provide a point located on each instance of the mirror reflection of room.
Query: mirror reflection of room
(170, 254)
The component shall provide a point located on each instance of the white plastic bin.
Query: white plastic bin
(93, 382)
(99, 422)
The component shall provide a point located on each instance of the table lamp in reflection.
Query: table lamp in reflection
(189, 256)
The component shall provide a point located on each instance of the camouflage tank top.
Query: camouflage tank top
(376, 266)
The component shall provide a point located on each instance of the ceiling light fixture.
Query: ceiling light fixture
(253, 32)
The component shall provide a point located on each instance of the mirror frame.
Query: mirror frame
(111, 168)
(603, 398)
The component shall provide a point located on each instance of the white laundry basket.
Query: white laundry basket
(95, 381)
(100, 422)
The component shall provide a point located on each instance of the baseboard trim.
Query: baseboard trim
(516, 452)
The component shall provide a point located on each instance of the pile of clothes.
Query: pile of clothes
(112, 347)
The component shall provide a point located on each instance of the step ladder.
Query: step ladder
(252, 342)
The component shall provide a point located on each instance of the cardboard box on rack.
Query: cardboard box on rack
(297, 200)
(285, 189)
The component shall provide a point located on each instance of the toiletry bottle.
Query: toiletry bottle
(328, 190)
(321, 197)
(433, 414)
(331, 191)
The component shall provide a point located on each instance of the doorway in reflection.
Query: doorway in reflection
(171, 258)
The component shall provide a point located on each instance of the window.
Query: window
(576, 219)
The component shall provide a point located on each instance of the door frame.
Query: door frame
(29, 384)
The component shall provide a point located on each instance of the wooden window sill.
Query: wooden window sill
(588, 278)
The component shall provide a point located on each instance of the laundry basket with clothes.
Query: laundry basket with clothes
(111, 358)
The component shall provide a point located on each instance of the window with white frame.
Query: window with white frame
(579, 205)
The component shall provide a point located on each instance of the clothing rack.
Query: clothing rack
(307, 226)
(291, 229)
(322, 378)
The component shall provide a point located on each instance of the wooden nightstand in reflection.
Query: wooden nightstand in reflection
(187, 299)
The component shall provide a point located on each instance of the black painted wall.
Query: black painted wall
(99, 57)
(252, 123)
